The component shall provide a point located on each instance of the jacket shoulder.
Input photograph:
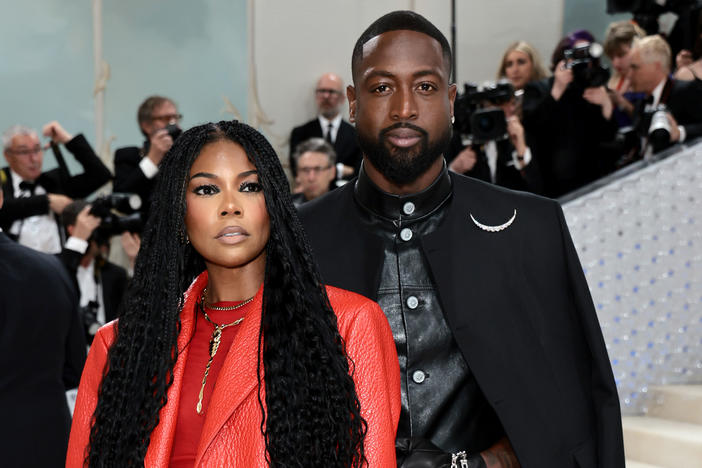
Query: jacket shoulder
(350, 306)
(331, 204)
(128, 153)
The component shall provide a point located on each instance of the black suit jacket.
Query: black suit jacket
(129, 178)
(685, 103)
(95, 175)
(42, 352)
(345, 145)
(113, 279)
(519, 308)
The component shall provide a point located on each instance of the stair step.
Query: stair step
(677, 402)
(662, 442)
(635, 464)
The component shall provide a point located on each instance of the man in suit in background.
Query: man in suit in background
(34, 199)
(101, 284)
(42, 353)
(329, 96)
(649, 73)
(499, 346)
(136, 167)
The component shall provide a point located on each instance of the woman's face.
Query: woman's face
(518, 68)
(620, 60)
(226, 218)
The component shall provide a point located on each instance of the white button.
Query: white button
(408, 208)
(418, 376)
(406, 234)
(412, 302)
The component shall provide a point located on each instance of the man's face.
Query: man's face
(402, 104)
(316, 173)
(25, 156)
(644, 76)
(329, 95)
(163, 115)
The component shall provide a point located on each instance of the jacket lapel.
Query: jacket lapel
(159, 452)
(236, 379)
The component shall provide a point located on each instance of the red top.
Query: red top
(189, 423)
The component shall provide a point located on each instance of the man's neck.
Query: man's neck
(419, 184)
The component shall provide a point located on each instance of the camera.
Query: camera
(476, 119)
(113, 224)
(584, 61)
(88, 313)
(659, 129)
(174, 131)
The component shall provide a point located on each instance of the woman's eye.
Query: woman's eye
(206, 190)
(250, 187)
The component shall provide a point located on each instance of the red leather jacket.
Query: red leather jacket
(231, 435)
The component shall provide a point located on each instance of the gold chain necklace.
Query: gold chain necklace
(216, 338)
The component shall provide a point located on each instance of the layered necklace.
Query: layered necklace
(216, 337)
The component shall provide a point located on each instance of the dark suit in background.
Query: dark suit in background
(345, 145)
(129, 178)
(42, 352)
(95, 175)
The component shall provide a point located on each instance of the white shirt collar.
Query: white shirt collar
(324, 122)
(657, 91)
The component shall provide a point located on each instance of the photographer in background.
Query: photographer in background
(34, 199)
(101, 284)
(521, 63)
(569, 117)
(489, 142)
(677, 103)
(315, 160)
(136, 167)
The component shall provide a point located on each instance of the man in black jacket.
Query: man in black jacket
(136, 167)
(500, 349)
(329, 95)
(649, 70)
(34, 199)
(42, 353)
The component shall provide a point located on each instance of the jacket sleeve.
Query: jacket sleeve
(87, 397)
(376, 374)
(20, 208)
(95, 173)
(129, 178)
(610, 445)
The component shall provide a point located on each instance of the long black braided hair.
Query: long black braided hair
(311, 415)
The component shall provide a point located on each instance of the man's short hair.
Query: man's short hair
(70, 212)
(146, 109)
(14, 131)
(316, 145)
(620, 34)
(402, 20)
(654, 49)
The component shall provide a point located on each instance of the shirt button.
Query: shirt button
(412, 302)
(418, 376)
(406, 234)
(408, 208)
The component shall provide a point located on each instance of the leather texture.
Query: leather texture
(231, 435)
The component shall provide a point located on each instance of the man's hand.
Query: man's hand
(159, 143)
(131, 244)
(599, 96)
(516, 134)
(674, 129)
(683, 59)
(85, 224)
(58, 202)
(500, 455)
(55, 131)
(465, 161)
(562, 77)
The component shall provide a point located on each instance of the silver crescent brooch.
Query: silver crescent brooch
(499, 228)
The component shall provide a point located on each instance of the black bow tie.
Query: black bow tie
(649, 100)
(28, 186)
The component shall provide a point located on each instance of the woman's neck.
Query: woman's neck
(234, 284)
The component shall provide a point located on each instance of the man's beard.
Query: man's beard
(403, 166)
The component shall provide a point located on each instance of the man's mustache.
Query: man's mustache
(392, 127)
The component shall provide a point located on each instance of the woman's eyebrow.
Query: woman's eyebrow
(206, 175)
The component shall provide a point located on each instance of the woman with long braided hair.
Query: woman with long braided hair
(229, 351)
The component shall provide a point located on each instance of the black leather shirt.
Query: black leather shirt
(441, 400)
